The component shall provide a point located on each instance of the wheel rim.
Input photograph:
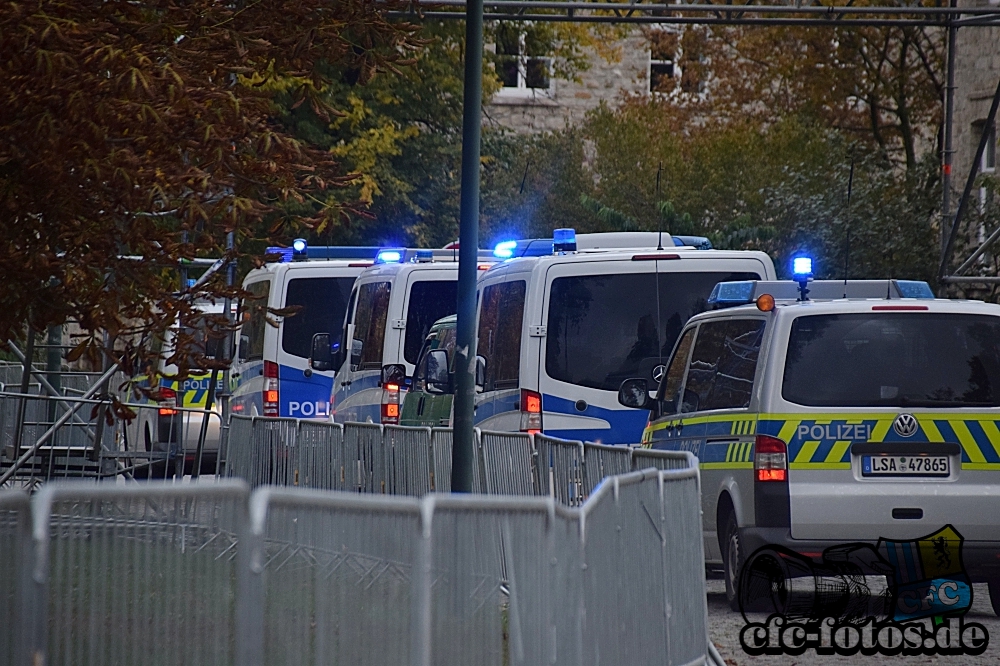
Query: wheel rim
(732, 561)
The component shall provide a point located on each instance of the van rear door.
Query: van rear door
(892, 424)
(606, 321)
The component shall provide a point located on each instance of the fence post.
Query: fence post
(420, 614)
(249, 584)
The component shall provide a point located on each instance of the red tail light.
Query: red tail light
(770, 460)
(390, 404)
(270, 388)
(168, 402)
(531, 411)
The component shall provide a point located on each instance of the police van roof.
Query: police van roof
(680, 254)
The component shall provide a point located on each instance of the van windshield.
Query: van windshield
(430, 300)
(894, 360)
(322, 302)
(604, 329)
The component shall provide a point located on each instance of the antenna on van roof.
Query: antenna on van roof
(659, 240)
(847, 250)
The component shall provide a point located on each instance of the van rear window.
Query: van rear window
(430, 300)
(604, 329)
(322, 302)
(893, 360)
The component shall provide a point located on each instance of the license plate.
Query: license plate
(919, 465)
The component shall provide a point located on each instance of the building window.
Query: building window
(989, 161)
(522, 61)
(662, 54)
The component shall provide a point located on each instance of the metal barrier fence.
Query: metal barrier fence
(397, 460)
(204, 573)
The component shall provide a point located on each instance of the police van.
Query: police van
(392, 307)
(292, 300)
(161, 426)
(558, 334)
(825, 413)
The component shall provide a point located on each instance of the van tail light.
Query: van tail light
(531, 411)
(270, 388)
(770, 460)
(390, 404)
(168, 403)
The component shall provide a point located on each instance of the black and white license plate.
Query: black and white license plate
(905, 465)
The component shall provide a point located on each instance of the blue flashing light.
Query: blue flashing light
(914, 289)
(505, 249)
(424, 256)
(191, 282)
(802, 267)
(299, 245)
(284, 253)
(732, 293)
(564, 240)
(389, 257)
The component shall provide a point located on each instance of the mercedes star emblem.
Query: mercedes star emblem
(658, 372)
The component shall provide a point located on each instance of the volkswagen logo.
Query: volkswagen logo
(905, 425)
(658, 372)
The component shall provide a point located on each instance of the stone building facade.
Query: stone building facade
(977, 72)
(530, 106)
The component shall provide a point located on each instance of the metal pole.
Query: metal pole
(949, 120)
(465, 347)
(25, 377)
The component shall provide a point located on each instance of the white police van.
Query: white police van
(559, 333)
(392, 307)
(836, 419)
(271, 373)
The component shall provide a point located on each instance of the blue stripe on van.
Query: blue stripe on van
(626, 424)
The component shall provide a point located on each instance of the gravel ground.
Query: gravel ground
(724, 627)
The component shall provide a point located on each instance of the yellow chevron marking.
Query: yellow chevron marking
(753, 427)
(806, 452)
(729, 452)
(837, 451)
(788, 430)
(986, 467)
(968, 442)
(930, 429)
(881, 429)
(749, 451)
(992, 434)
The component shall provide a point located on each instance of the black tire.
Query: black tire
(994, 585)
(733, 559)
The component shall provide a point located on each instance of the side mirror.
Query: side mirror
(394, 373)
(356, 346)
(480, 373)
(244, 347)
(436, 377)
(321, 357)
(634, 393)
(689, 401)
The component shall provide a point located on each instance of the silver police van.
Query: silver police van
(852, 413)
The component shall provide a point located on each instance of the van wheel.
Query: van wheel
(994, 585)
(733, 559)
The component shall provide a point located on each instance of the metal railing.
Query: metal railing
(206, 573)
(397, 460)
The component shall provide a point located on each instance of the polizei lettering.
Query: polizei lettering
(837, 431)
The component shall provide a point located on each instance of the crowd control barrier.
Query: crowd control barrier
(397, 460)
(208, 573)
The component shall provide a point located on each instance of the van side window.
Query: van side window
(443, 339)
(723, 364)
(499, 341)
(255, 309)
(373, 308)
(670, 386)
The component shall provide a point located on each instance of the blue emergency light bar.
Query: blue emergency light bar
(287, 254)
(389, 256)
(728, 294)
(505, 249)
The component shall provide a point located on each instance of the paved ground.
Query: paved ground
(724, 627)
